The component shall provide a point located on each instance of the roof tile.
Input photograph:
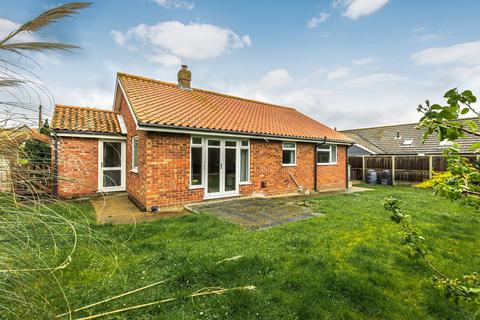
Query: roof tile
(72, 118)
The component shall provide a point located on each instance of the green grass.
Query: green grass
(348, 264)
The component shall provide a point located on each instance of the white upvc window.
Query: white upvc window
(134, 154)
(289, 154)
(327, 154)
(244, 161)
(196, 162)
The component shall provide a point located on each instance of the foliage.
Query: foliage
(38, 152)
(437, 178)
(466, 288)
(444, 122)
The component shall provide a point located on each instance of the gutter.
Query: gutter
(60, 132)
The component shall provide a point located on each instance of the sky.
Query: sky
(346, 63)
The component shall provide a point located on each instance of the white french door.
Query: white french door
(221, 174)
(111, 165)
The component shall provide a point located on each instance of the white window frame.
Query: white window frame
(407, 142)
(242, 147)
(133, 141)
(330, 155)
(202, 146)
(294, 149)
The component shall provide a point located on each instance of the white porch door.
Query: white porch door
(111, 165)
(221, 168)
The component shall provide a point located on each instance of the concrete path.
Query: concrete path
(118, 209)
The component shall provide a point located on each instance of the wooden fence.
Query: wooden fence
(32, 179)
(404, 169)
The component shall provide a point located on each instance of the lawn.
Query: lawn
(347, 264)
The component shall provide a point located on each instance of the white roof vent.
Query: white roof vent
(445, 143)
(407, 142)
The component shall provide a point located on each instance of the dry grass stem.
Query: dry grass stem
(203, 292)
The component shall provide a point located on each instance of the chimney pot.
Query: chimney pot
(184, 77)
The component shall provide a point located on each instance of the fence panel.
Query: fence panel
(405, 169)
(32, 178)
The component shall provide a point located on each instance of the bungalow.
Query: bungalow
(403, 139)
(169, 144)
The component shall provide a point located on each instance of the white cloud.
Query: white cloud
(359, 8)
(7, 26)
(118, 37)
(275, 78)
(428, 37)
(338, 73)
(467, 53)
(189, 41)
(418, 29)
(166, 59)
(375, 79)
(84, 97)
(315, 21)
(176, 4)
(362, 61)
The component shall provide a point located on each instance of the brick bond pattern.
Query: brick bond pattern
(77, 167)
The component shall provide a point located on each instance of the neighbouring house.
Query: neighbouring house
(400, 149)
(402, 139)
(169, 144)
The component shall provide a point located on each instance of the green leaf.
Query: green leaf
(472, 125)
(469, 96)
(465, 111)
(474, 146)
(450, 93)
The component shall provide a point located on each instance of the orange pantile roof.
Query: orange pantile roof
(72, 118)
(161, 103)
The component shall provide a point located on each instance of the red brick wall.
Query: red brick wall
(331, 177)
(266, 166)
(77, 167)
(135, 180)
(166, 168)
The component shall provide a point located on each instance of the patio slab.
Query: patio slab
(264, 212)
(118, 209)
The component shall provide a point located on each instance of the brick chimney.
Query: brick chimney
(184, 78)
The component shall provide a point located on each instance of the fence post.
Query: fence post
(363, 169)
(393, 170)
(430, 167)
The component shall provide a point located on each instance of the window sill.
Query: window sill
(289, 165)
(134, 170)
(195, 187)
(245, 183)
(327, 164)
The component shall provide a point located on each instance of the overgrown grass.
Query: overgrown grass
(348, 264)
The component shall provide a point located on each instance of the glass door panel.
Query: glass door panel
(112, 154)
(213, 170)
(230, 169)
(112, 164)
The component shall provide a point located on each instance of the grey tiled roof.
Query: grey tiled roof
(382, 140)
